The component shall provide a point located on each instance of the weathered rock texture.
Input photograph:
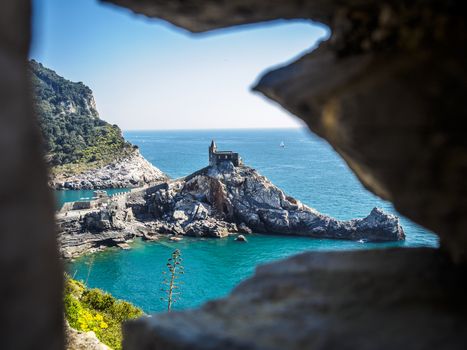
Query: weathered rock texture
(31, 314)
(76, 340)
(83, 231)
(213, 202)
(386, 90)
(131, 171)
(338, 300)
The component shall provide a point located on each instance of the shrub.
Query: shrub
(97, 311)
(98, 300)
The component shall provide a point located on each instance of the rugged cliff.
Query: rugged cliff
(213, 202)
(83, 151)
(132, 170)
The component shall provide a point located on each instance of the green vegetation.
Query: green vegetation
(94, 310)
(176, 269)
(76, 139)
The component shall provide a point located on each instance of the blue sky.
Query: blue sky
(148, 74)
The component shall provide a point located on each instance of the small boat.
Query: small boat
(282, 144)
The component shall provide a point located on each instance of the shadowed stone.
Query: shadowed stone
(30, 274)
(336, 300)
(386, 90)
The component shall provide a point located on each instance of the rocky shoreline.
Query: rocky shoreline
(128, 172)
(216, 201)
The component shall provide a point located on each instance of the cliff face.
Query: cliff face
(70, 124)
(57, 96)
(130, 171)
(242, 196)
(213, 202)
(83, 151)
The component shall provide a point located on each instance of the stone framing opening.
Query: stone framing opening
(386, 90)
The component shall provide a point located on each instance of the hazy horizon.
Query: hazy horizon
(298, 126)
(149, 75)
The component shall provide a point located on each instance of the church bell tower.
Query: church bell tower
(212, 151)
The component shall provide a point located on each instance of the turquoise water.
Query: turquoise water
(81, 195)
(307, 168)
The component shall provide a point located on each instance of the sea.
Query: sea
(306, 167)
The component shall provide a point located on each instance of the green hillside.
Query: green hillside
(76, 139)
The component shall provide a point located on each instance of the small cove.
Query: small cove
(306, 168)
(64, 196)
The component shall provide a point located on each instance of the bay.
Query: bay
(307, 168)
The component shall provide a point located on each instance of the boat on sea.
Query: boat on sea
(282, 144)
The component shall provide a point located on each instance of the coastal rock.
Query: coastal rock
(240, 238)
(76, 340)
(209, 228)
(322, 301)
(131, 171)
(242, 228)
(242, 195)
(86, 231)
(216, 201)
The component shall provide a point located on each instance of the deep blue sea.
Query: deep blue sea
(307, 168)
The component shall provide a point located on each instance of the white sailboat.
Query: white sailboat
(282, 144)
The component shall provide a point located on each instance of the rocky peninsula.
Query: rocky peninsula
(216, 201)
(132, 170)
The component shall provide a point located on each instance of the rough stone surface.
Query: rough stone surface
(392, 104)
(200, 16)
(76, 340)
(241, 238)
(85, 231)
(216, 201)
(386, 90)
(337, 300)
(30, 271)
(131, 171)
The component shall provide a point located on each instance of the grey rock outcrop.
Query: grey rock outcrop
(387, 91)
(131, 171)
(241, 238)
(322, 301)
(84, 231)
(213, 202)
(76, 340)
(241, 196)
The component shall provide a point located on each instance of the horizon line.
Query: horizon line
(224, 129)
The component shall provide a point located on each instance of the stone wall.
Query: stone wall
(30, 271)
(387, 91)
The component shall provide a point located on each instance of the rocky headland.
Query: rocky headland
(82, 150)
(130, 171)
(215, 201)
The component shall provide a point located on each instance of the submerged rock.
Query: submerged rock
(216, 202)
(241, 238)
